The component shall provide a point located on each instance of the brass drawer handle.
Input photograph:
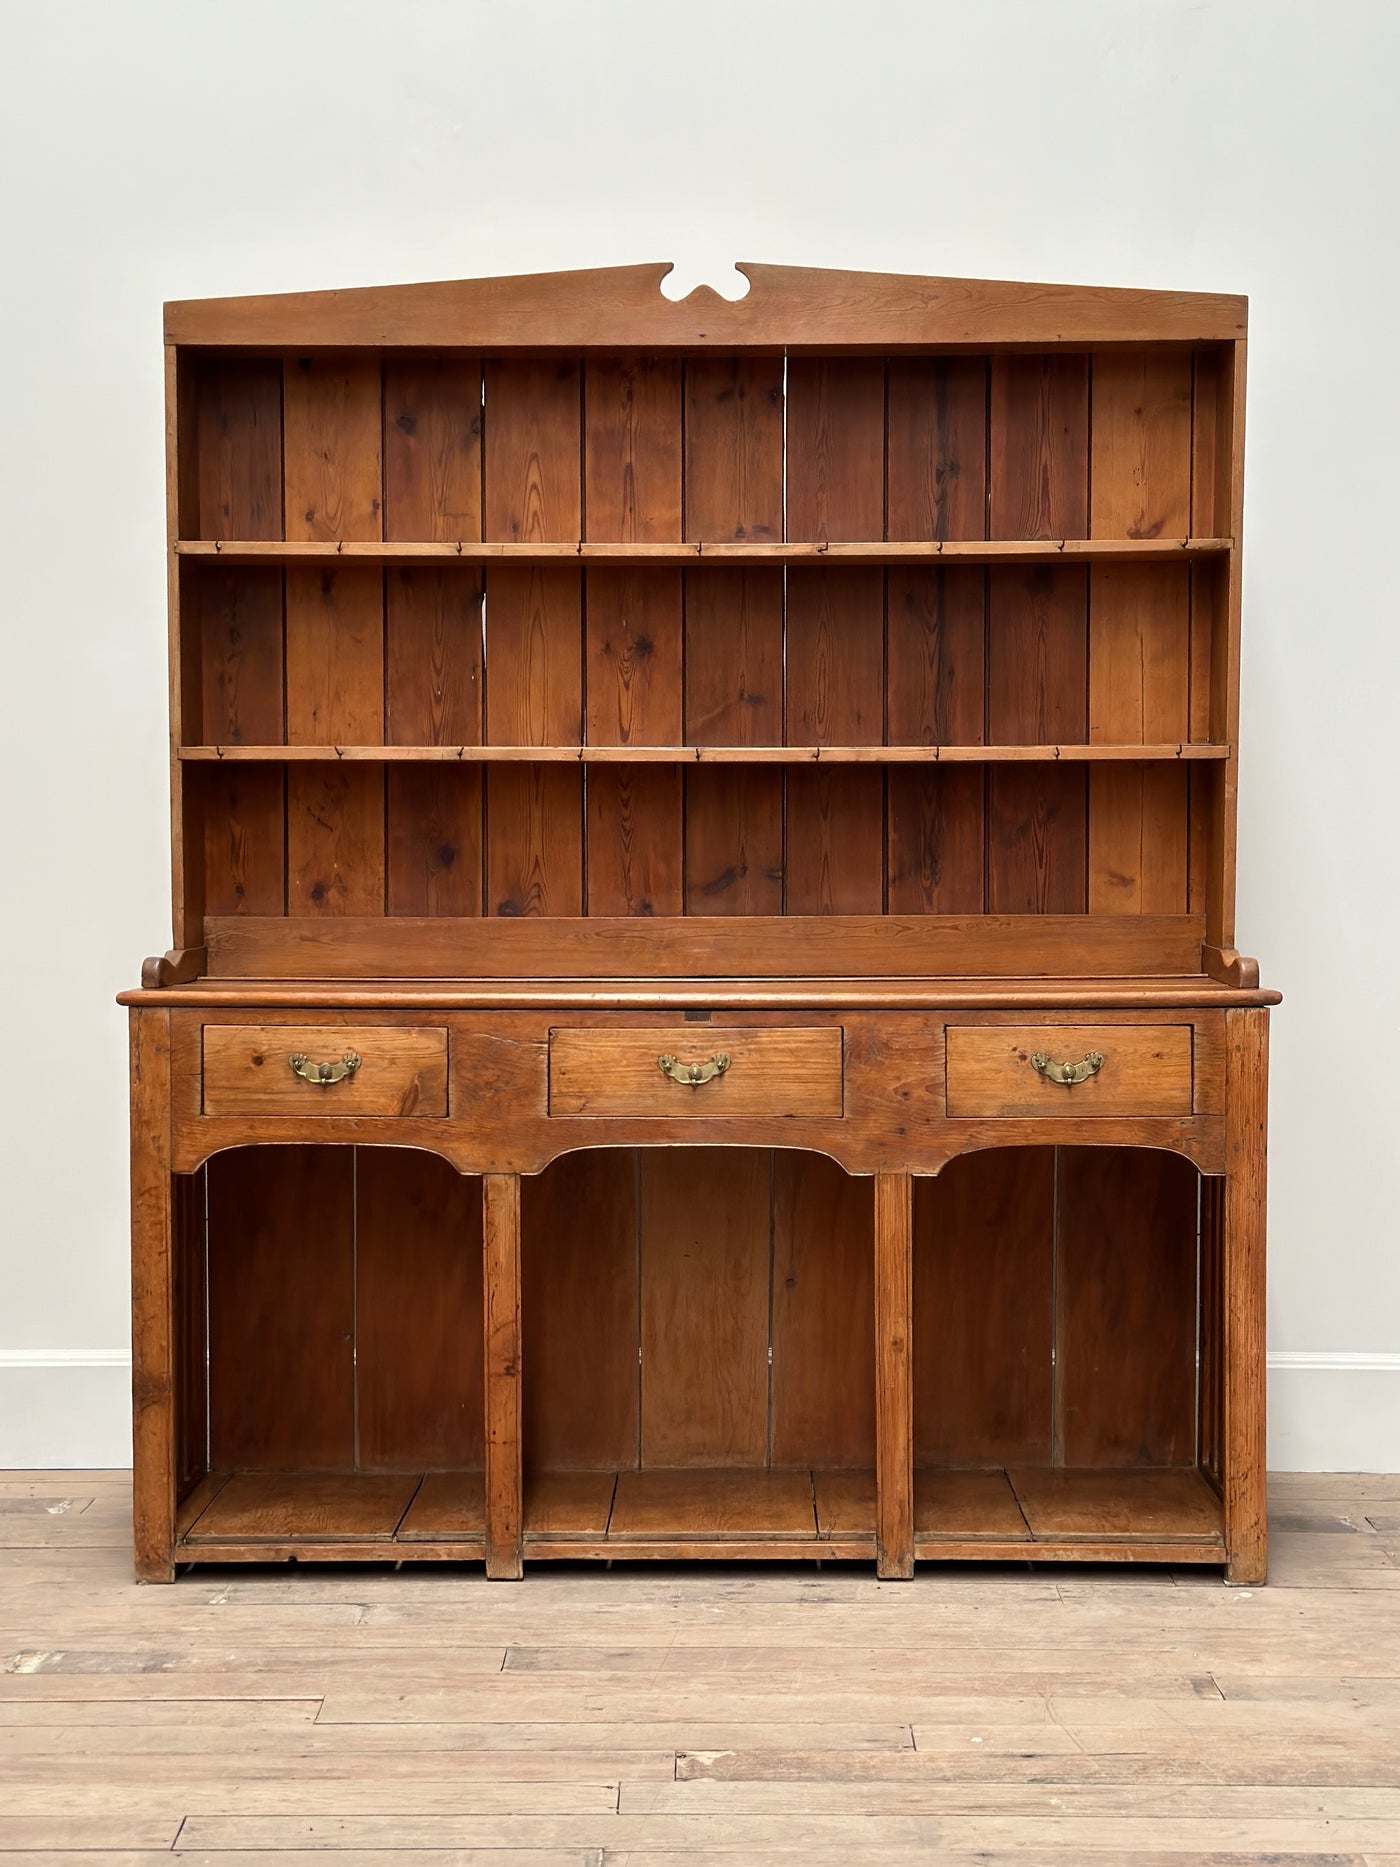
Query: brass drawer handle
(1067, 1073)
(325, 1073)
(693, 1074)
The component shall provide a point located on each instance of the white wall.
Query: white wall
(156, 150)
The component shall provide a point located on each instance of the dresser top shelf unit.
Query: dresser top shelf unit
(554, 602)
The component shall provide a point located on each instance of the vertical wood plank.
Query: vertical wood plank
(1212, 1321)
(1139, 681)
(534, 840)
(533, 442)
(1140, 458)
(191, 1342)
(238, 458)
(1225, 652)
(1244, 1445)
(432, 656)
(434, 840)
(823, 1399)
(579, 1313)
(633, 840)
(281, 1309)
(937, 450)
(418, 1319)
(835, 696)
(534, 656)
(733, 814)
(936, 688)
(152, 1299)
(734, 448)
(335, 655)
(1125, 1347)
(500, 1224)
(835, 448)
(241, 810)
(1039, 447)
(240, 654)
(332, 446)
(894, 1392)
(983, 1309)
(534, 813)
(1037, 695)
(705, 1266)
(633, 680)
(432, 448)
(632, 449)
(335, 839)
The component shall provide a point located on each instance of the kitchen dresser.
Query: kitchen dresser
(704, 1017)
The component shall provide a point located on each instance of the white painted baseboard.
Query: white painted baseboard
(1328, 1412)
(65, 1408)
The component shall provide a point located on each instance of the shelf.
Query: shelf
(892, 551)
(1030, 1514)
(703, 755)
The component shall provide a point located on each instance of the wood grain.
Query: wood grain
(1125, 1276)
(313, 1507)
(154, 1348)
(335, 840)
(983, 1310)
(1039, 447)
(281, 1309)
(238, 614)
(1073, 1504)
(335, 655)
(433, 661)
(432, 448)
(500, 1221)
(1146, 1070)
(1140, 468)
(632, 448)
(937, 448)
(1139, 683)
(533, 443)
(734, 447)
(1243, 1423)
(579, 1271)
(247, 1070)
(835, 447)
(238, 463)
(447, 1507)
(966, 1505)
(823, 1328)
(894, 1393)
(779, 1071)
(242, 815)
(418, 1314)
(705, 1227)
(717, 1504)
(434, 830)
(332, 416)
(834, 654)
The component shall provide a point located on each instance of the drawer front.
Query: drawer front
(1145, 1070)
(769, 1072)
(248, 1070)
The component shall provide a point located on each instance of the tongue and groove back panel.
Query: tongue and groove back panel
(367, 447)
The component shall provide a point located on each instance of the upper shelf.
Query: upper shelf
(705, 755)
(893, 551)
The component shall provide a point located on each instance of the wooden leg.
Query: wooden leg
(894, 1390)
(500, 1206)
(1243, 1448)
(152, 1300)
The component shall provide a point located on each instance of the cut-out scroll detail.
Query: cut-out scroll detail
(726, 282)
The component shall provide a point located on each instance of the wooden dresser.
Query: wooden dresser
(704, 1018)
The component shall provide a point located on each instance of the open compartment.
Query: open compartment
(330, 1385)
(1059, 1319)
(698, 1354)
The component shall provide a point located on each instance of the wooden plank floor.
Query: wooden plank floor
(665, 1717)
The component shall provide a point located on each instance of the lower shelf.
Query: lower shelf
(1026, 1514)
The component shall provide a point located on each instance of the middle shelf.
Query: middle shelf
(707, 755)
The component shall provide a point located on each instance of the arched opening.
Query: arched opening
(1063, 1340)
(698, 1351)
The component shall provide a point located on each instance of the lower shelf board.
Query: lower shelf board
(1027, 1514)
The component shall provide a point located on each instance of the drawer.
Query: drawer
(768, 1072)
(1144, 1070)
(248, 1069)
